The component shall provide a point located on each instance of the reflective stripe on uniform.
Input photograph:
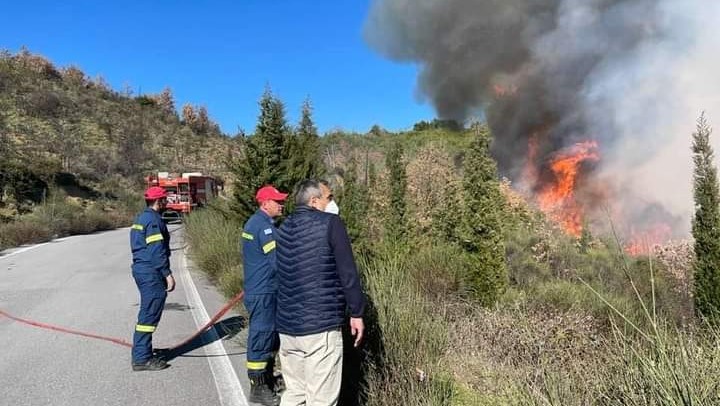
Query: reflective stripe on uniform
(248, 236)
(138, 227)
(144, 328)
(153, 238)
(256, 365)
(269, 247)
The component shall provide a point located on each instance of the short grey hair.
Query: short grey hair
(306, 190)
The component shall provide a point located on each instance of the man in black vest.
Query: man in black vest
(318, 283)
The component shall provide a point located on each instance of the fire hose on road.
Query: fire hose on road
(52, 329)
(119, 341)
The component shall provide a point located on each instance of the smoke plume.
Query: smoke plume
(633, 75)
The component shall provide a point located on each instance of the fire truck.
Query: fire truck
(186, 192)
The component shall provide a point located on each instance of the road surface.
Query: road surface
(84, 283)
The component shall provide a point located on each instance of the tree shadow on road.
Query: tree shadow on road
(222, 330)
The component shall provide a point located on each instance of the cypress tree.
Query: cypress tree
(706, 224)
(396, 227)
(480, 231)
(354, 204)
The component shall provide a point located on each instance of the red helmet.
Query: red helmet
(154, 193)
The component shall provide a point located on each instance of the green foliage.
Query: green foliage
(706, 224)
(305, 160)
(354, 203)
(450, 125)
(263, 153)
(214, 236)
(481, 233)
(433, 192)
(396, 229)
(437, 269)
(548, 267)
(405, 338)
(275, 154)
(549, 339)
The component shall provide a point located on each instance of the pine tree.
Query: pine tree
(706, 224)
(272, 133)
(480, 231)
(307, 161)
(263, 156)
(396, 227)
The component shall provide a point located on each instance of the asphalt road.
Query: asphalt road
(84, 283)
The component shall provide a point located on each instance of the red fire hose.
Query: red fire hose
(229, 305)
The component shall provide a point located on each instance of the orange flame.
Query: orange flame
(643, 243)
(557, 198)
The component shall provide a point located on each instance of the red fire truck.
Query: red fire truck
(186, 192)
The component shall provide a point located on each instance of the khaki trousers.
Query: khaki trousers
(311, 368)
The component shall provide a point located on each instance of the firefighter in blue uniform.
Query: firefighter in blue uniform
(150, 245)
(258, 248)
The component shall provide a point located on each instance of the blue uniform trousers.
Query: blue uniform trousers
(263, 339)
(152, 287)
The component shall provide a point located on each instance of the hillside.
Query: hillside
(58, 120)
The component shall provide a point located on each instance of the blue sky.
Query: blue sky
(221, 54)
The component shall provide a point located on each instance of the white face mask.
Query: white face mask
(332, 207)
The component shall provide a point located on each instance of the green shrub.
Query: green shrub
(526, 257)
(438, 269)
(405, 338)
(565, 295)
(231, 281)
(215, 246)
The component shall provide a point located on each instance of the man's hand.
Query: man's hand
(357, 329)
(170, 283)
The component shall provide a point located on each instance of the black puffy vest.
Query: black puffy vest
(310, 298)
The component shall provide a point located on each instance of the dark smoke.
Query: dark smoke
(560, 70)
(544, 50)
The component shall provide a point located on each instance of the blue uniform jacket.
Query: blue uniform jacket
(259, 257)
(150, 244)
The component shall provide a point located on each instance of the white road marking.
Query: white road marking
(226, 380)
(21, 250)
(32, 247)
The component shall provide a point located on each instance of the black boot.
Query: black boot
(153, 364)
(261, 392)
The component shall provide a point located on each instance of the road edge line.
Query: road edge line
(21, 250)
(227, 383)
